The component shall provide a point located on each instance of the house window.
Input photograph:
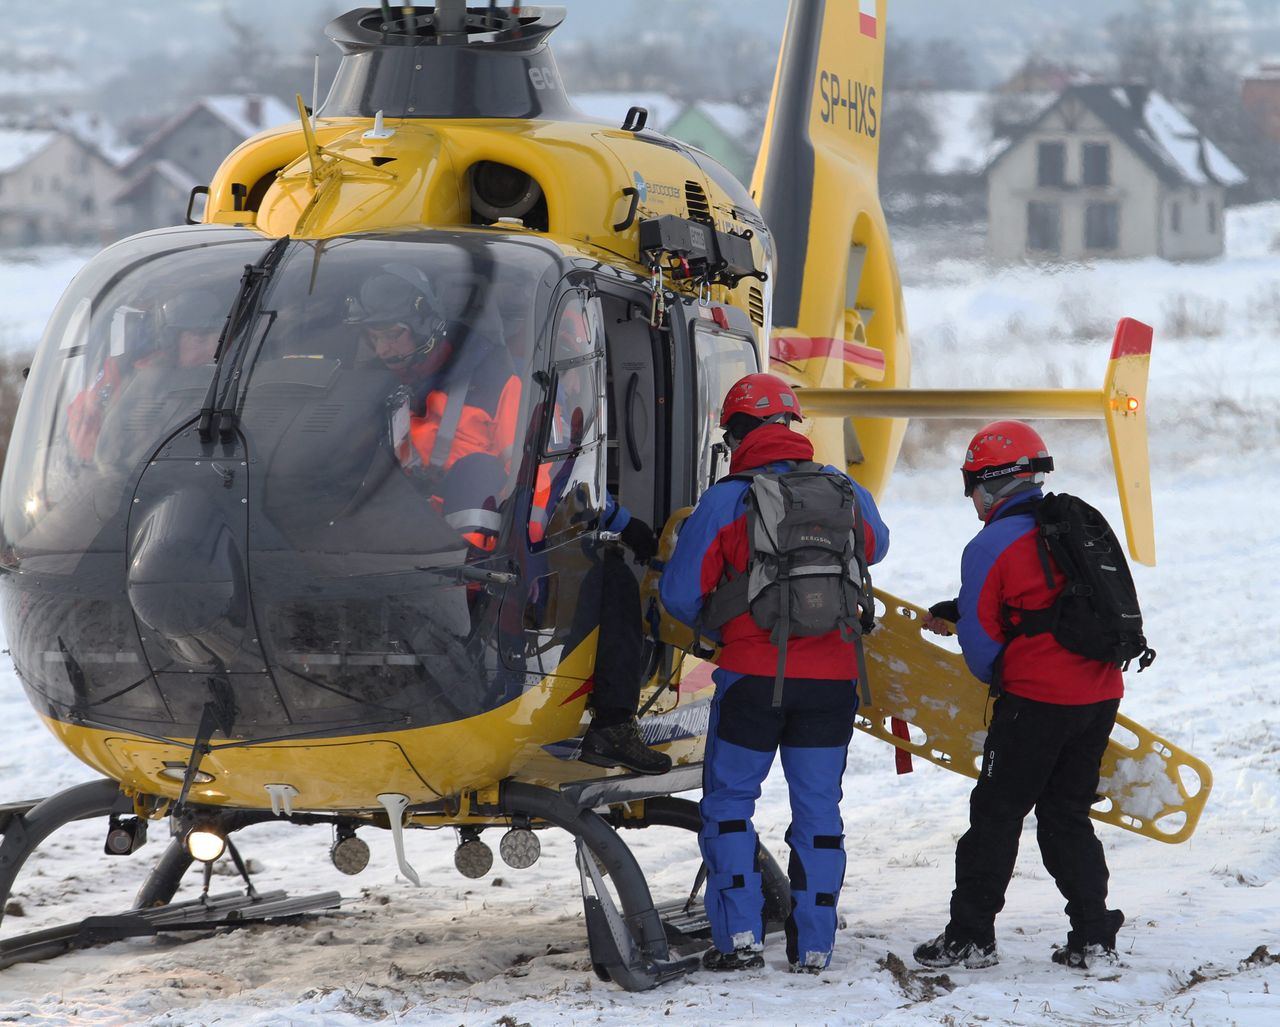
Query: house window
(1101, 226)
(37, 184)
(1051, 163)
(1213, 217)
(1044, 227)
(1175, 216)
(1096, 161)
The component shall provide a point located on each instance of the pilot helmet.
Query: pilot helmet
(397, 293)
(195, 310)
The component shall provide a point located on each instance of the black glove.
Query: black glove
(948, 609)
(640, 539)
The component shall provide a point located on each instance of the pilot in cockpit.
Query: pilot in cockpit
(181, 331)
(459, 394)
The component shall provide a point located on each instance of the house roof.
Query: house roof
(1153, 128)
(232, 110)
(235, 111)
(99, 135)
(19, 145)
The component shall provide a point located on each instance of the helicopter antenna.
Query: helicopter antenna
(315, 91)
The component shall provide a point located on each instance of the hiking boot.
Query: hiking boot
(813, 963)
(1086, 957)
(744, 957)
(620, 745)
(1081, 955)
(941, 953)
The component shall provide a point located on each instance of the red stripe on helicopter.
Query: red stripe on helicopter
(790, 348)
(1133, 339)
(582, 690)
(867, 17)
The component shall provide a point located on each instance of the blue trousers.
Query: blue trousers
(812, 729)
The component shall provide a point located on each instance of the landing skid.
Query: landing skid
(205, 913)
(632, 943)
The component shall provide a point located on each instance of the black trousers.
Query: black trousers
(620, 647)
(1042, 756)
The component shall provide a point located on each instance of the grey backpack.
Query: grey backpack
(807, 569)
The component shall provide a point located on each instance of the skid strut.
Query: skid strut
(628, 946)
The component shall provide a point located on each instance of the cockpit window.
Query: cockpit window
(127, 354)
(376, 367)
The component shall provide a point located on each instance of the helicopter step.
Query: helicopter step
(205, 913)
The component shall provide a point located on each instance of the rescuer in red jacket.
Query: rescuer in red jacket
(811, 727)
(1049, 727)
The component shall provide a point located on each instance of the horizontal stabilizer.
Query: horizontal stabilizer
(1121, 402)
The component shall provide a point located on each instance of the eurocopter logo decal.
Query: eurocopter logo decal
(656, 189)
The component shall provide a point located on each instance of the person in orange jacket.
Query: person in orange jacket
(183, 331)
(460, 394)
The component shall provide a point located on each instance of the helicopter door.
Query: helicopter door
(637, 444)
(722, 353)
(560, 591)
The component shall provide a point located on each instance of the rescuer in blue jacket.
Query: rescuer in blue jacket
(1049, 727)
(812, 727)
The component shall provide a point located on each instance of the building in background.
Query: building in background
(185, 152)
(58, 179)
(1108, 171)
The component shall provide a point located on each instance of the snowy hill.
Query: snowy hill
(1202, 933)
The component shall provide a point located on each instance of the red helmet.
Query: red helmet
(1004, 449)
(760, 395)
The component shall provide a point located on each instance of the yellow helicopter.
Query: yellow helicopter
(228, 591)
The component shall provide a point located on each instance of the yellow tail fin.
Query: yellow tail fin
(837, 302)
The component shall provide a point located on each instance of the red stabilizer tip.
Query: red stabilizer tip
(1133, 339)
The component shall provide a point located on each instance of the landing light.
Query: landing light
(205, 843)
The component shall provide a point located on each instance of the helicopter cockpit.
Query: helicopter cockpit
(312, 475)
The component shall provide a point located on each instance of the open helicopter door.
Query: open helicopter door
(711, 347)
(639, 427)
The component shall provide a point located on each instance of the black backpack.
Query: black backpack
(807, 568)
(1096, 615)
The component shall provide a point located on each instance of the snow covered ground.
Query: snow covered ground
(1202, 934)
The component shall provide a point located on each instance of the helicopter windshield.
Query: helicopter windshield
(381, 373)
(306, 456)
